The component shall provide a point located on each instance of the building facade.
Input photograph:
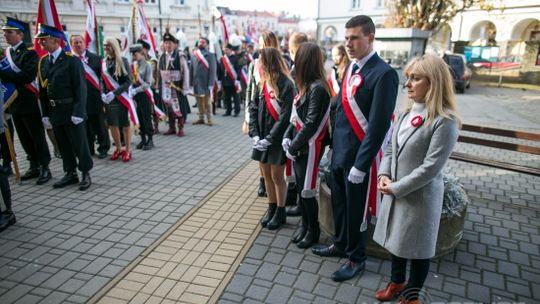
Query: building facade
(190, 16)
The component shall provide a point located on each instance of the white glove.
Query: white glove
(262, 145)
(285, 143)
(219, 85)
(210, 88)
(329, 156)
(356, 176)
(46, 122)
(255, 139)
(289, 156)
(104, 97)
(76, 120)
(108, 98)
(131, 92)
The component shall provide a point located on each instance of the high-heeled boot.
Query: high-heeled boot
(279, 219)
(269, 214)
(314, 232)
(303, 225)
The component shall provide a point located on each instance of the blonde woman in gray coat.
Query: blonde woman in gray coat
(410, 176)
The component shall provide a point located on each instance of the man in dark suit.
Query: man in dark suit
(229, 74)
(95, 124)
(25, 110)
(63, 99)
(363, 116)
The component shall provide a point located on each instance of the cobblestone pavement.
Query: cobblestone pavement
(74, 247)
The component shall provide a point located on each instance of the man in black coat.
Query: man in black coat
(229, 74)
(63, 99)
(95, 124)
(25, 108)
(363, 117)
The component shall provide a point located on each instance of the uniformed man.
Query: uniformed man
(229, 74)
(25, 108)
(95, 124)
(63, 99)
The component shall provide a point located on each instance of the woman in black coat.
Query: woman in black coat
(270, 110)
(307, 135)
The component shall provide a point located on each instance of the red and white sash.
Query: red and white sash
(157, 111)
(201, 59)
(359, 124)
(334, 84)
(250, 58)
(90, 75)
(244, 75)
(33, 86)
(124, 98)
(314, 150)
(231, 72)
(271, 102)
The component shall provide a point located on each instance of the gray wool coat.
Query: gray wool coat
(408, 221)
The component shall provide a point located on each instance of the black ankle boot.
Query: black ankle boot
(311, 208)
(262, 188)
(269, 214)
(303, 225)
(279, 219)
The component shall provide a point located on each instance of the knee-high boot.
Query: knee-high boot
(303, 225)
(313, 233)
(172, 127)
(180, 127)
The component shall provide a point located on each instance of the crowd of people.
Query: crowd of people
(294, 110)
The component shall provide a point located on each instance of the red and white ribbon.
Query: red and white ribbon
(124, 98)
(359, 124)
(32, 86)
(334, 84)
(314, 151)
(91, 76)
(201, 59)
(271, 102)
(157, 111)
(231, 72)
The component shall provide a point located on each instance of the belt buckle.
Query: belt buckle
(53, 104)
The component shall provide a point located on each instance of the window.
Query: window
(380, 3)
(122, 29)
(150, 1)
(154, 29)
(355, 4)
(180, 2)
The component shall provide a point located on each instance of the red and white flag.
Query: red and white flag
(138, 28)
(47, 15)
(92, 35)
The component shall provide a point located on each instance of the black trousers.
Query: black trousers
(4, 149)
(5, 189)
(73, 145)
(32, 137)
(144, 111)
(348, 201)
(417, 275)
(96, 128)
(230, 97)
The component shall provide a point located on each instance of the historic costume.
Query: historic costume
(21, 70)
(174, 86)
(63, 99)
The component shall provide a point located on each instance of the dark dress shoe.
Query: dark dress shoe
(140, 145)
(269, 214)
(391, 291)
(44, 176)
(328, 251)
(7, 218)
(7, 170)
(69, 179)
(149, 145)
(31, 173)
(279, 219)
(86, 181)
(102, 155)
(293, 211)
(235, 114)
(348, 271)
(227, 114)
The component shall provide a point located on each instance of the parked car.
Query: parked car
(461, 72)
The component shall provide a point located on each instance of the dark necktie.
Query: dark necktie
(51, 61)
(355, 68)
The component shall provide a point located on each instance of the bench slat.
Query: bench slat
(499, 144)
(501, 132)
(494, 163)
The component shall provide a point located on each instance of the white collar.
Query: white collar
(361, 62)
(83, 54)
(55, 54)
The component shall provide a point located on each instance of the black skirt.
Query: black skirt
(117, 114)
(273, 156)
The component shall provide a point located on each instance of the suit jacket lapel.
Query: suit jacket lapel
(409, 135)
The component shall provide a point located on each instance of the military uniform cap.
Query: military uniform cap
(168, 37)
(144, 44)
(135, 48)
(14, 24)
(46, 31)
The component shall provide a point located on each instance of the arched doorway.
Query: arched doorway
(483, 33)
(524, 43)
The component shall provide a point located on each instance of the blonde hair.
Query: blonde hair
(440, 98)
(273, 66)
(119, 64)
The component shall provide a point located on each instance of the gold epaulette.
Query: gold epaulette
(42, 83)
(69, 54)
(31, 48)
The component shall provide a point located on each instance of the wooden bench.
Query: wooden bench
(499, 145)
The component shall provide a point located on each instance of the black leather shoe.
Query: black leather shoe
(269, 214)
(293, 211)
(140, 145)
(31, 173)
(149, 145)
(7, 169)
(44, 176)
(86, 181)
(226, 114)
(328, 251)
(102, 155)
(235, 114)
(348, 271)
(279, 219)
(69, 179)
(7, 219)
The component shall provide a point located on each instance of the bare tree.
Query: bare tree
(426, 15)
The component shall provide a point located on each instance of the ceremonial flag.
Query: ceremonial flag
(47, 15)
(138, 28)
(93, 37)
(225, 34)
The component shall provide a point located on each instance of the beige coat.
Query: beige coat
(408, 221)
